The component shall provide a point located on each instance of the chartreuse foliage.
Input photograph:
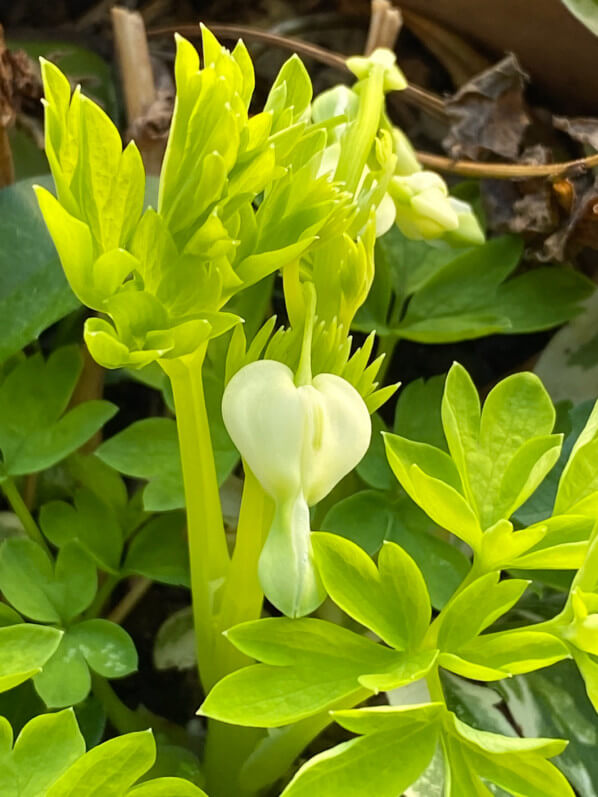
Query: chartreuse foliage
(48, 758)
(316, 189)
(497, 457)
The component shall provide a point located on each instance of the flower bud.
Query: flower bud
(299, 441)
(423, 206)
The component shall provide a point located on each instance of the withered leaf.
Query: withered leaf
(582, 129)
(18, 82)
(579, 229)
(488, 115)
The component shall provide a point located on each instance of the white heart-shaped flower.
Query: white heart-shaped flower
(299, 441)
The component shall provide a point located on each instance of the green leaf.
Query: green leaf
(542, 298)
(90, 523)
(374, 719)
(369, 517)
(149, 449)
(109, 769)
(65, 680)
(40, 591)
(45, 748)
(417, 414)
(383, 763)
(476, 704)
(159, 550)
(464, 289)
(24, 649)
(175, 644)
(563, 546)
(391, 600)
(34, 432)
(446, 506)
(516, 651)
(554, 703)
(516, 764)
(476, 608)
(503, 454)
(586, 12)
(403, 454)
(373, 468)
(99, 645)
(309, 665)
(577, 491)
(297, 84)
(570, 421)
(33, 291)
(166, 787)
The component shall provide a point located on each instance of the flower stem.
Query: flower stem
(124, 719)
(22, 512)
(243, 596)
(475, 572)
(386, 346)
(435, 685)
(102, 596)
(208, 553)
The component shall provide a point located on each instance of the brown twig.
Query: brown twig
(89, 387)
(414, 94)
(139, 586)
(134, 61)
(460, 59)
(139, 87)
(503, 171)
(7, 168)
(385, 26)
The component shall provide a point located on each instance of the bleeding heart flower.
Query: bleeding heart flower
(299, 441)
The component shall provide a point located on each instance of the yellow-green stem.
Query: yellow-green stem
(474, 573)
(208, 553)
(243, 596)
(435, 685)
(22, 512)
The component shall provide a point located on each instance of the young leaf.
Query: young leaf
(461, 415)
(418, 413)
(369, 517)
(505, 452)
(34, 432)
(309, 666)
(553, 702)
(149, 449)
(33, 291)
(431, 479)
(391, 600)
(90, 523)
(166, 787)
(383, 763)
(578, 486)
(24, 649)
(516, 651)
(476, 608)
(515, 764)
(42, 592)
(109, 769)
(99, 645)
(46, 747)
(159, 550)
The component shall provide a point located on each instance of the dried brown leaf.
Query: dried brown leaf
(488, 115)
(19, 82)
(581, 129)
